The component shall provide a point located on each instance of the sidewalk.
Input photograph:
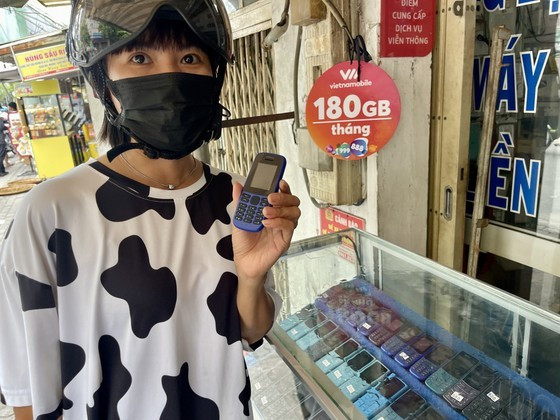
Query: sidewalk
(10, 203)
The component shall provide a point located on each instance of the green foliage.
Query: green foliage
(84, 35)
(6, 93)
(112, 33)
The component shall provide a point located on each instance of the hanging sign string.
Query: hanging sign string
(358, 51)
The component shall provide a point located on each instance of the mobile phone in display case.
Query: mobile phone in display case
(491, 401)
(463, 392)
(382, 334)
(405, 407)
(450, 373)
(411, 353)
(383, 393)
(263, 179)
(405, 336)
(431, 362)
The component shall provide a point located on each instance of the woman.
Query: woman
(125, 290)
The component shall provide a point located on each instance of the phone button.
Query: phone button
(264, 202)
(245, 197)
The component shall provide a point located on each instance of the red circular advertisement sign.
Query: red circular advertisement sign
(351, 119)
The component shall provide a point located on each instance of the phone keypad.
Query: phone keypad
(440, 381)
(460, 395)
(250, 208)
(423, 368)
(480, 409)
(407, 356)
(393, 345)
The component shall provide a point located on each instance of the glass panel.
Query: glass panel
(373, 294)
(43, 116)
(536, 286)
(524, 174)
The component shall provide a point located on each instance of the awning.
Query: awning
(55, 3)
(9, 75)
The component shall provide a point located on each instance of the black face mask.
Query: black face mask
(172, 113)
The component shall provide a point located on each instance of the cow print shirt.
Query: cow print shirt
(118, 301)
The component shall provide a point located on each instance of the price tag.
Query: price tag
(337, 374)
(326, 363)
(366, 325)
(350, 114)
(404, 355)
(457, 396)
(350, 389)
(493, 396)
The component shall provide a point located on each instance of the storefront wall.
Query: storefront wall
(395, 180)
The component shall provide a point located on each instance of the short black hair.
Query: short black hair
(12, 105)
(161, 34)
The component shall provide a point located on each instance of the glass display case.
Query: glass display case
(44, 116)
(375, 331)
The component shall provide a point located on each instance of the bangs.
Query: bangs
(166, 35)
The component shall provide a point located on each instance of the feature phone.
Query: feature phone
(263, 179)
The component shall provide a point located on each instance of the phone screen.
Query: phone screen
(440, 354)
(385, 316)
(347, 348)
(335, 338)
(373, 372)
(408, 333)
(324, 329)
(312, 322)
(360, 360)
(390, 387)
(263, 176)
(409, 403)
(430, 414)
(460, 365)
(423, 344)
(480, 377)
(394, 325)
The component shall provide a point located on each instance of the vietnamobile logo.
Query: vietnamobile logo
(350, 74)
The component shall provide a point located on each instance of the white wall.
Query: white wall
(397, 177)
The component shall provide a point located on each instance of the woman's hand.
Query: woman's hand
(255, 253)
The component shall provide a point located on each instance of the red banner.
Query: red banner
(333, 220)
(407, 27)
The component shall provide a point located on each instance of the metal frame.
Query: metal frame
(451, 103)
(530, 250)
(316, 391)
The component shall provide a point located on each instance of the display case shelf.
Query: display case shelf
(335, 284)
